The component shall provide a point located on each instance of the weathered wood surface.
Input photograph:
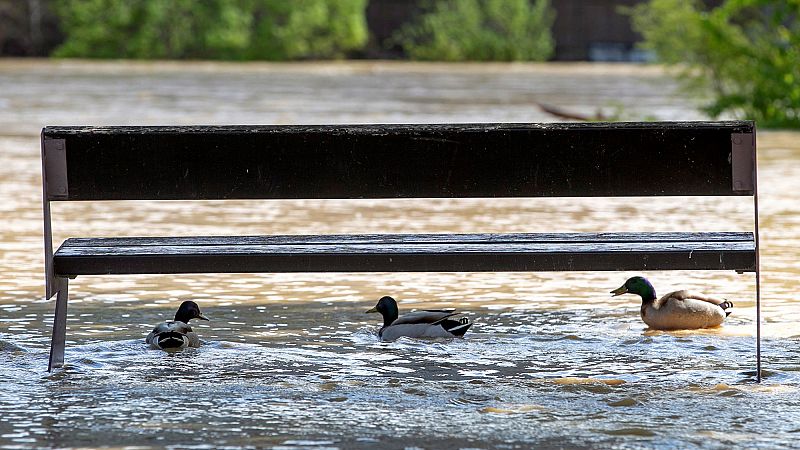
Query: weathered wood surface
(399, 161)
(409, 253)
(717, 236)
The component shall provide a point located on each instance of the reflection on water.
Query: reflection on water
(292, 361)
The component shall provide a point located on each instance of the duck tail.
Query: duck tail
(725, 306)
(171, 339)
(457, 327)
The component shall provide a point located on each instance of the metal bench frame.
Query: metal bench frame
(395, 161)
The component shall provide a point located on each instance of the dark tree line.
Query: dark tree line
(28, 28)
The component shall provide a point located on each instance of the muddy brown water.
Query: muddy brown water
(292, 361)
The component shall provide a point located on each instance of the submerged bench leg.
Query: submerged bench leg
(59, 327)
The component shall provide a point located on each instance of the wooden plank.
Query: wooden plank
(179, 255)
(399, 161)
(724, 236)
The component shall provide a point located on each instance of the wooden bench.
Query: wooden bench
(394, 161)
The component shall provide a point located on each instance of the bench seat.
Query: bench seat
(395, 161)
(408, 253)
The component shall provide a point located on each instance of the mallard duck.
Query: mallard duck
(177, 334)
(677, 310)
(417, 324)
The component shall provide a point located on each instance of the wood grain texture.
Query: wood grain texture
(657, 237)
(408, 253)
(399, 161)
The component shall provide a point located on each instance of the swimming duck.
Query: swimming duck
(676, 310)
(177, 334)
(417, 324)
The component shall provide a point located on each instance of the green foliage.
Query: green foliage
(481, 30)
(212, 29)
(153, 29)
(746, 52)
(302, 29)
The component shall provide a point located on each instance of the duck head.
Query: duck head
(188, 311)
(639, 286)
(387, 306)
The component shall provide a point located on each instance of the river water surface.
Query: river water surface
(292, 361)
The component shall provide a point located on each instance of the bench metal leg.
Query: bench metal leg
(59, 327)
(758, 326)
(758, 263)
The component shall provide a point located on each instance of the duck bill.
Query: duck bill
(373, 310)
(619, 291)
(202, 316)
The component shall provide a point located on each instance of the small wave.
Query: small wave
(10, 347)
(472, 400)
(584, 380)
(627, 401)
(635, 431)
(364, 336)
(512, 409)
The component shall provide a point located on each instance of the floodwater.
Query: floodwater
(291, 360)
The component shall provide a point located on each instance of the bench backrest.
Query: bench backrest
(398, 161)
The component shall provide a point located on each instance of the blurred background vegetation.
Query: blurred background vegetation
(745, 54)
(480, 30)
(273, 30)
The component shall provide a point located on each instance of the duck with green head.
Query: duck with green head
(177, 334)
(429, 323)
(679, 310)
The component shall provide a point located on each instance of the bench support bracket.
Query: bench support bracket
(54, 186)
(59, 327)
(743, 161)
